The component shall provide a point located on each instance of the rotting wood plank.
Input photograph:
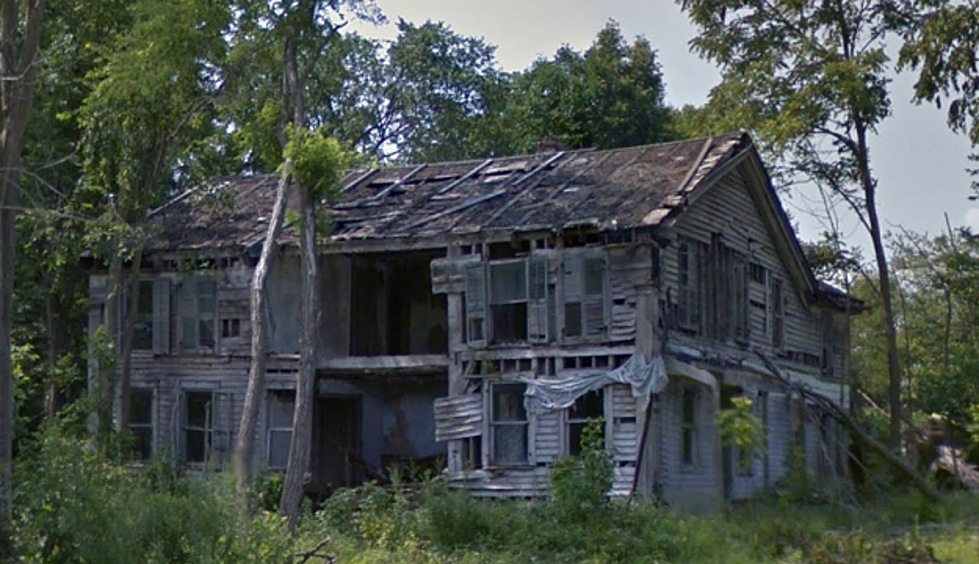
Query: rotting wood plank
(464, 177)
(401, 181)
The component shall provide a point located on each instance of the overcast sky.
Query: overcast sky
(920, 164)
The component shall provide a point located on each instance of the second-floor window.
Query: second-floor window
(198, 313)
(516, 305)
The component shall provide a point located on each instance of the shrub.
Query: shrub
(579, 485)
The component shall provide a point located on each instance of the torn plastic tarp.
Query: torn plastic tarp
(548, 394)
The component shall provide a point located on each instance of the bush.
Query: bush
(579, 485)
(74, 506)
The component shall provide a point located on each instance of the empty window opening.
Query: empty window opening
(587, 407)
(141, 421)
(198, 425)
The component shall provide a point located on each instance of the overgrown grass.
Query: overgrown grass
(73, 506)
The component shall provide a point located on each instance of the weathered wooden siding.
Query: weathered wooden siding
(729, 209)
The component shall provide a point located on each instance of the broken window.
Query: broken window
(198, 425)
(281, 406)
(587, 407)
(508, 424)
(688, 426)
(583, 286)
(198, 313)
(519, 297)
(761, 287)
(778, 315)
(508, 301)
(141, 421)
(230, 328)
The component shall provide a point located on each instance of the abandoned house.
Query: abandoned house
(479, 313)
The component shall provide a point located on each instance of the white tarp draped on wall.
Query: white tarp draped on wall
(645, 378)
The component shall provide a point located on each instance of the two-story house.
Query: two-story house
(482, 312)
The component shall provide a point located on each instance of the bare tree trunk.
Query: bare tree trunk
(104, 385)
(302, 419)
(884, 276)
(245, 444)
(18, 71)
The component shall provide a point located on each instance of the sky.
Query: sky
(919, 162)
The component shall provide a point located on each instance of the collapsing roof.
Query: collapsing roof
(603, 190)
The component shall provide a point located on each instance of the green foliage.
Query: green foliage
(841, 548)
(318, 162)
(74, 506)
(740, 428)
(579, 485)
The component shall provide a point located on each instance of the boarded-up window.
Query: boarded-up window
(281, 406)
(587, 407)
(508, 424)
(198, 425)
(141, 421)
(583, 289)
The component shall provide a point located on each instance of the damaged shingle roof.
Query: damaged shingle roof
(605, 190)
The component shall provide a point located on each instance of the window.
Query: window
(761, 286)
(508, 301)
(198, 313)
(583, 285)
(141, 421)
(508, 424)
(688, 426)
(230, 327)
(778, 315)
(198, 425)
(519, 298)
(587, 407)
(143, 337)
(281, 407)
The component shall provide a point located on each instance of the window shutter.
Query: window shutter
(161, 316)
(458, 417)
(188, 313)
(476, 303)
(740, 299)
(572, 291)
(594, 305)
(537, 311)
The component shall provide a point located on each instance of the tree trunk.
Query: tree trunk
(18, 72)
(884, 276)
(129, 335)
(302, 419)
(245, 443)
(104, 386)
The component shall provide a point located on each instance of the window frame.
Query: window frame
(133, 425)
(189, 310)
(147, 295)
(207, 430)
(272, 428)
(493, 424)
(689, 462)
(575, 294)
(571, 421)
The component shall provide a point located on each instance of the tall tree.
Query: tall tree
(20, 34)
(804, 73)
(150, 103)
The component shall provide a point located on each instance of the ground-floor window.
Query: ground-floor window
(281, 407)
(688, 426)
(141, 421)
(508, 424)
(198, 425)
(587, 407)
